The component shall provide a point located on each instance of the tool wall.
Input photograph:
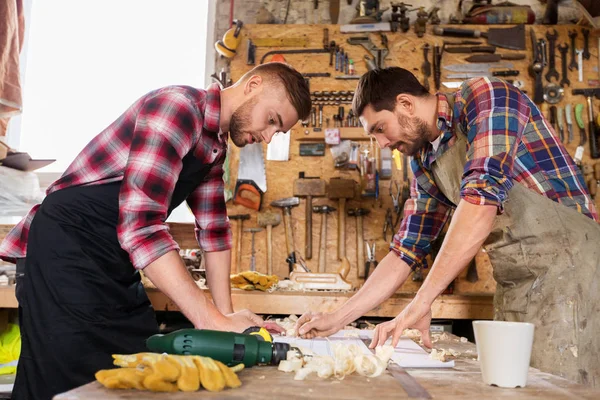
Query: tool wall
(405, 50)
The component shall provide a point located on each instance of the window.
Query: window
(87, 61)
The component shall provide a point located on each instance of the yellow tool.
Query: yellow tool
(261, 332)
(231, 40)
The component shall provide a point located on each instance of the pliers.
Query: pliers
(370, 259)
(389, 223)
(396, 201)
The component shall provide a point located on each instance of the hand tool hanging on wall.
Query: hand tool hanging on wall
(508, 38)
(421, 22)
(268, 220)
(589, 93)
(437, 66)
(388, 224)
(573, 63)
(341, 190)
(293, 259)
(580, 63)
(552, 72)
(323, 210)
(536, 69)
(251, 176)
(478, 67)
(326, 50)
(238, 238)
(426, 67)
(253, 231)
(563, 53)
(489, 58)
(586, 43)
(561, 125)
(323, 280)
(472, 275)
(582, 134)
(569, 118)
(309, 187)
(371, 260)
(378, 54)
(470, 49)
(360, 239)
(553, 120)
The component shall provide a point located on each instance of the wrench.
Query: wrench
(564, 49)
(586, 43)
(573, 64)
(552, 72)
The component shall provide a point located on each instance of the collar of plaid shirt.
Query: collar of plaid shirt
(212, 112)
(444, 124)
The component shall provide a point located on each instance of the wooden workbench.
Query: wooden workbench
(461, 382)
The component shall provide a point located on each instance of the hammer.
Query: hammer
(253, 231)
(269, 220)
(238, 240)
(589, 93)
(286, 206)
(308, 187)
(341, 189)
(323, 210)
(360, 241)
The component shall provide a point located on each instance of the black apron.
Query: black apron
(80, 298)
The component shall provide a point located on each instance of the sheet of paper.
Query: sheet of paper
(407, 354)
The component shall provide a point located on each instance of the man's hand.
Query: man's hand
(239, 322)
(417, 315)
(311, 325)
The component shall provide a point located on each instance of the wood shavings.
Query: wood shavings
(436, 337)
(439, 355)
(464, 340)
(454, 353)
(289, 324)
(574, 351)
(346, 359)
(412, 333)
(261, 377)
(290, 365)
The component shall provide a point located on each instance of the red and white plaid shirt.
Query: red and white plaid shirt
(144, 149)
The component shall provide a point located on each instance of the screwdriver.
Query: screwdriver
(582, 135)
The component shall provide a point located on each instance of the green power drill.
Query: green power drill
(228, 347)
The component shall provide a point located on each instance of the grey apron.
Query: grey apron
(546, 262)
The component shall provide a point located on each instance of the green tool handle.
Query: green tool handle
(579, 116)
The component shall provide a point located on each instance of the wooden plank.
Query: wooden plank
(462, 382)
(451, 306)
(8, 298)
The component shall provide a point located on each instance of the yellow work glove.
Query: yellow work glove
(168, 373)
(249, 280)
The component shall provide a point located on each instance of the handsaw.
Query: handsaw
(410, 385)
(251, 176)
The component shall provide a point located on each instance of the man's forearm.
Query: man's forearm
(470, 226)
(217, 275)
(389, 275)
(169, 275)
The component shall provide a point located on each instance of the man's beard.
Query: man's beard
(418, 137)
(240, 121)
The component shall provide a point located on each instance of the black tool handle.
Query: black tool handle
(457, 32)
(593, 141)
(510, 72)
(538, 96)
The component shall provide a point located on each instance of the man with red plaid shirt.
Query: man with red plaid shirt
(78, 253)
(487, 157)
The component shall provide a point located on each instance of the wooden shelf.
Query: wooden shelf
(450, 306)
(309, 135)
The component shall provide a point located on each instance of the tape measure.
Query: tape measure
(262, 333)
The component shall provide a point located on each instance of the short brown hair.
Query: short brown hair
(296, 87)
(380, 87)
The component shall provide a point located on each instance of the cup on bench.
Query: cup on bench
(504, 350)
